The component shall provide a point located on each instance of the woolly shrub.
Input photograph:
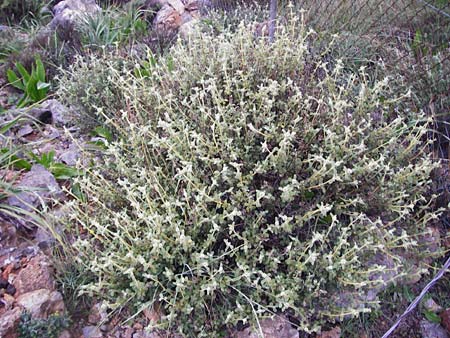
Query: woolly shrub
(248, 179)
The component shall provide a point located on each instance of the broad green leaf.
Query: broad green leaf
(40, 71)
(31, 90)
(103, 132)
(14, 80)
(25, 75)
(64, 172)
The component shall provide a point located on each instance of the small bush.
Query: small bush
(38, 328)
(248, 179)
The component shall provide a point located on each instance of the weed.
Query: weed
(38, 328)
(33, 84)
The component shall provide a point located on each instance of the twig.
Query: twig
(416, 301)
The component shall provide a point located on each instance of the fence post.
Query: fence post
(272, 20)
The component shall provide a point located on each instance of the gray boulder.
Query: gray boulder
(68, 14)
(38, 186)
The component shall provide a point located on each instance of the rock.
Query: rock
(39, 186)
(37, 274)
(43, 238)
(60, 114)
(71, 155)
(129, 331)
(8, 301)
(41, 303)
(153, 314)
(9, 322)
(193, 5)
(65, 334)
(333, 333)
(143, 334)
(279, 327)
(97, 314)
(432, 330)
(3, 283)
(167, 20)
(431, 305)
(51, 133)
(188, 29)
(445, 316)
(138, 326)
(48, 112)
(10, 290)
(24, 131)
(8, 237)
(177, 5)
(68, 14)
(92, 332)
(40, 114)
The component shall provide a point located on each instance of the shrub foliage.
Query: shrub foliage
(249, 179)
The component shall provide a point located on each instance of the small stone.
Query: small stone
(9, 322)
(177, 5)
(8, 301)
(333, 333)
(24, 131)
(138, 326)
(445, 316)
(65, 334)
(192, 6)
(7, 271)
(3, 283)
(38, 185)
(41, 303)
(11, 290)
(153, 314)
(279, 327)
(60, 114)
(51, 132)
(189, 28)
(70, 156)
(143, 334)
(68, 14)
(129, 331)
(97, 315)
(167, 20)
(37, 274)
(432, 330)
(92, 332)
